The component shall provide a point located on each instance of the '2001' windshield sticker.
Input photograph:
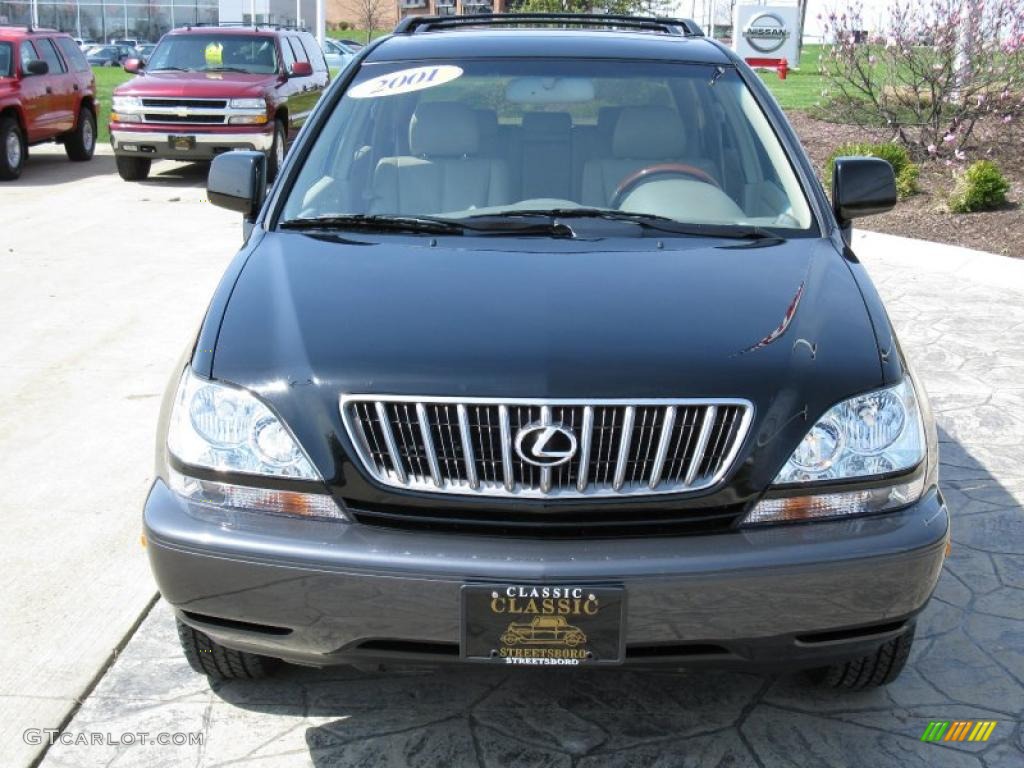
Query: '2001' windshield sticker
(406, 81)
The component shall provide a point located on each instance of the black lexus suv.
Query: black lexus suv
(547, 348)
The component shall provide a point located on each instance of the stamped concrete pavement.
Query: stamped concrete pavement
(961, 317)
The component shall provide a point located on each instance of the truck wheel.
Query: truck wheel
(81, 142)
(13, 149)
(212, 659)
(276, 157)
(133, 168)
(871, 671)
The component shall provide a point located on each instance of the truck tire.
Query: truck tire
(871, 671)
(212, 659)
(13, 149)
(133, 168)
(81, 142)
(276, 156)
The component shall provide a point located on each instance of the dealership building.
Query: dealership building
(103, 20)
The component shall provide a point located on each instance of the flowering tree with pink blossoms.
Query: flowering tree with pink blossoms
(928, 72)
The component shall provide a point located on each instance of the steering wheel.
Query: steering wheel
(661, 169)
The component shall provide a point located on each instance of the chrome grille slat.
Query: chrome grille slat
(467, 445)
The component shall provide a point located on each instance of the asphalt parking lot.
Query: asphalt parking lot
(104, 281)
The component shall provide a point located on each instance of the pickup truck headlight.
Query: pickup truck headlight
(126, 104)
(222, 427)
(879, 434)
(247, 104)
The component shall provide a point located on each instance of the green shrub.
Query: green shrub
(982, 187)
(905, 169)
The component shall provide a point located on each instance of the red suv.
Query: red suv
(207, 90)
(47, 93)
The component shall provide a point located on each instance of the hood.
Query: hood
(783, 326)
(398, 316)
(197, 84)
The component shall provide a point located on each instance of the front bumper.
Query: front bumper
(157, 143)
(327, 593)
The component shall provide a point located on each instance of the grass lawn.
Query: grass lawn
(802, 87)
(107, 79)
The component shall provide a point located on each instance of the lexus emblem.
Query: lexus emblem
(545, 445)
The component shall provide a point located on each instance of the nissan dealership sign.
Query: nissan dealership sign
(767, 32)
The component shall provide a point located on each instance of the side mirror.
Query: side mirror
(301, 69)
(862, 186)
(238, 181)
(37, 67)
(134, 65)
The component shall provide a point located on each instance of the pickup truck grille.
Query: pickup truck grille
(185, 111)
(186, 103)
(604, 447)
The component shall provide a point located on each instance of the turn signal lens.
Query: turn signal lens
(247, 119)
(229, 495)
(795, 509)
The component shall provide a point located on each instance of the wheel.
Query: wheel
(81, 142)
(276, 157)
(133, 168)
(573, 640)
(871, 671)
(212, 659)
(509, 639)
(13, 149)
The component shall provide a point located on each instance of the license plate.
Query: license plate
(533, 625)
(183, 143)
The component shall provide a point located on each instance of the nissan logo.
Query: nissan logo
(766, 33)
(545, 445)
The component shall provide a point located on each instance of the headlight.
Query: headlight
(226, 428)
(872, 435)
(126, 104)
(247, 104)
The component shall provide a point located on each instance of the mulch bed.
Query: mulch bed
(921, 216)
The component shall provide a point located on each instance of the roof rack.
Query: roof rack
(668, 26)
(243, 25)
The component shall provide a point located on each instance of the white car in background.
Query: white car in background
(338, 53)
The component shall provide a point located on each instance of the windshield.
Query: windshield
(6, 60)
(206, 53)
(683, 142)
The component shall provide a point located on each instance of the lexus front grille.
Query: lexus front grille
(545, 448)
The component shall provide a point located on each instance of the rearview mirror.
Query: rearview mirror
(133, 65)
(37, 67)
(861, 186)
(238, 181)
(301, 69)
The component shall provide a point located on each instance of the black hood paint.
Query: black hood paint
(783, 325)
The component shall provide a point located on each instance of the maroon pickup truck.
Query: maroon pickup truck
(47, 93)
(207, 90)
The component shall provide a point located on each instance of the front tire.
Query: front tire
(81, 142)
(133, 168)
(277, 150)
(210, 658)
(13, 149)
(871, 671)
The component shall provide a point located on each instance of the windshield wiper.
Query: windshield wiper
(226, 69)
(650, 221)
(171, 69)
(427, 224)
